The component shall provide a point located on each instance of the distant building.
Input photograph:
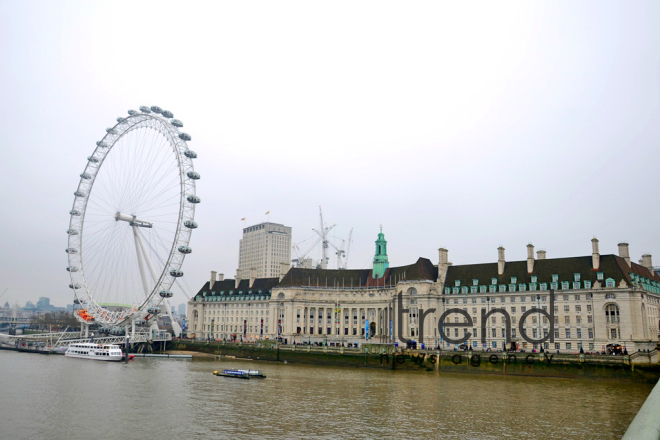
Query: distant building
(264, 248)
(182, 309)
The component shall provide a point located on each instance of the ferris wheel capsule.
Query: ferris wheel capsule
(168, 114)
(191, 154)
(72, 268)
(74, 286)
(101, 144)
(193, 175)
(185, 136)
(93, 159)
(111, 130)
(193, 199)
(72, 232)
(120, 119)
(153, 310)
(145, 109)
(176, 123)
(71, 251)
(85, 176)
(140, 322)
(79, 194)
(166, 294)
(176, 273)
(156, 109)
(190, 224)
(75, 212)
(184, 249)
(132, 112)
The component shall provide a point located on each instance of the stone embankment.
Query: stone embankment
(387, 357)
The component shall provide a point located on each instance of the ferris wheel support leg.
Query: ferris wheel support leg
(138, 243)
(168, 309)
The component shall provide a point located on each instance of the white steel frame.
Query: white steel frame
(75, 249)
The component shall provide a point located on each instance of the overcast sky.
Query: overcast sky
(455, 125)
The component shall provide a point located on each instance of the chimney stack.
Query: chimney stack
(443, 264)
(540, 254)
(213, 275)
(530, 258)
(624, 252)
(253, 276)
(221, 277)
(284, 268)
(500, 260)
(595, 254)
(238, 277)
(647, 262)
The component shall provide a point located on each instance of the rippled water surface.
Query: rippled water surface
(53, 397)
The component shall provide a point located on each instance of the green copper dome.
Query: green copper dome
(381, 263)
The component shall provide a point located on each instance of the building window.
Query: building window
(576, 285)
(457, 283)
(473, 289)
(502, 288)
(576, 277)
(599, 276)
(464, 289)
(512, 287)
(564, 285)
(491, 288)
(544, 286)
(609, 282)
(553, 286)
(482, 289)
(522, 287)
(475, 282)
(532, 287)
(568, 334)
(591, 333)
(447, 290)
(493, 281)
(557, 334)
(587, 284)
(534, 279)
(555, 278)
(456, 290)
(612, 333)
(514, 280)
(612, 314)
(579, 333)
(568, 346)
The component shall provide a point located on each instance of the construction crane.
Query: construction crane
(342, 255)
(323, 234)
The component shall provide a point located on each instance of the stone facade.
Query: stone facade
(598, 300)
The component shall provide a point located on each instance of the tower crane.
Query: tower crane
(341, 253)
(323, 234)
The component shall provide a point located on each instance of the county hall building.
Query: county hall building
(599, 300)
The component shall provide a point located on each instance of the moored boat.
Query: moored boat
(97, 352)
(241, 374)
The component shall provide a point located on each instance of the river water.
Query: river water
(53, 397)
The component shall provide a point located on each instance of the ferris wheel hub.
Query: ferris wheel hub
(134, 221)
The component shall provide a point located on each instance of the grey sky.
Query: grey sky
(461, 126)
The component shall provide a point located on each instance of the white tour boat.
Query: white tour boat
(97, 352)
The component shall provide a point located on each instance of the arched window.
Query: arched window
(280, 296)
(412, 291)
(612, 314)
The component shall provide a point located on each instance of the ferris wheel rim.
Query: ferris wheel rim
(177, 141)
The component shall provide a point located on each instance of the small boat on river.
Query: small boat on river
(241, 374)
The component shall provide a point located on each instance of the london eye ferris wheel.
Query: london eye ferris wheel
(131, 221)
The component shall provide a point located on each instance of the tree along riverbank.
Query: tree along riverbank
(386, 357)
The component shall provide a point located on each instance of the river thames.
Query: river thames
(53, 397)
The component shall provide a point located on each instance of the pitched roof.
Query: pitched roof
(423, 269)
(612, 266)
(227, 288)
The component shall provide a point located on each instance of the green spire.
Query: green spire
(381, 262)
